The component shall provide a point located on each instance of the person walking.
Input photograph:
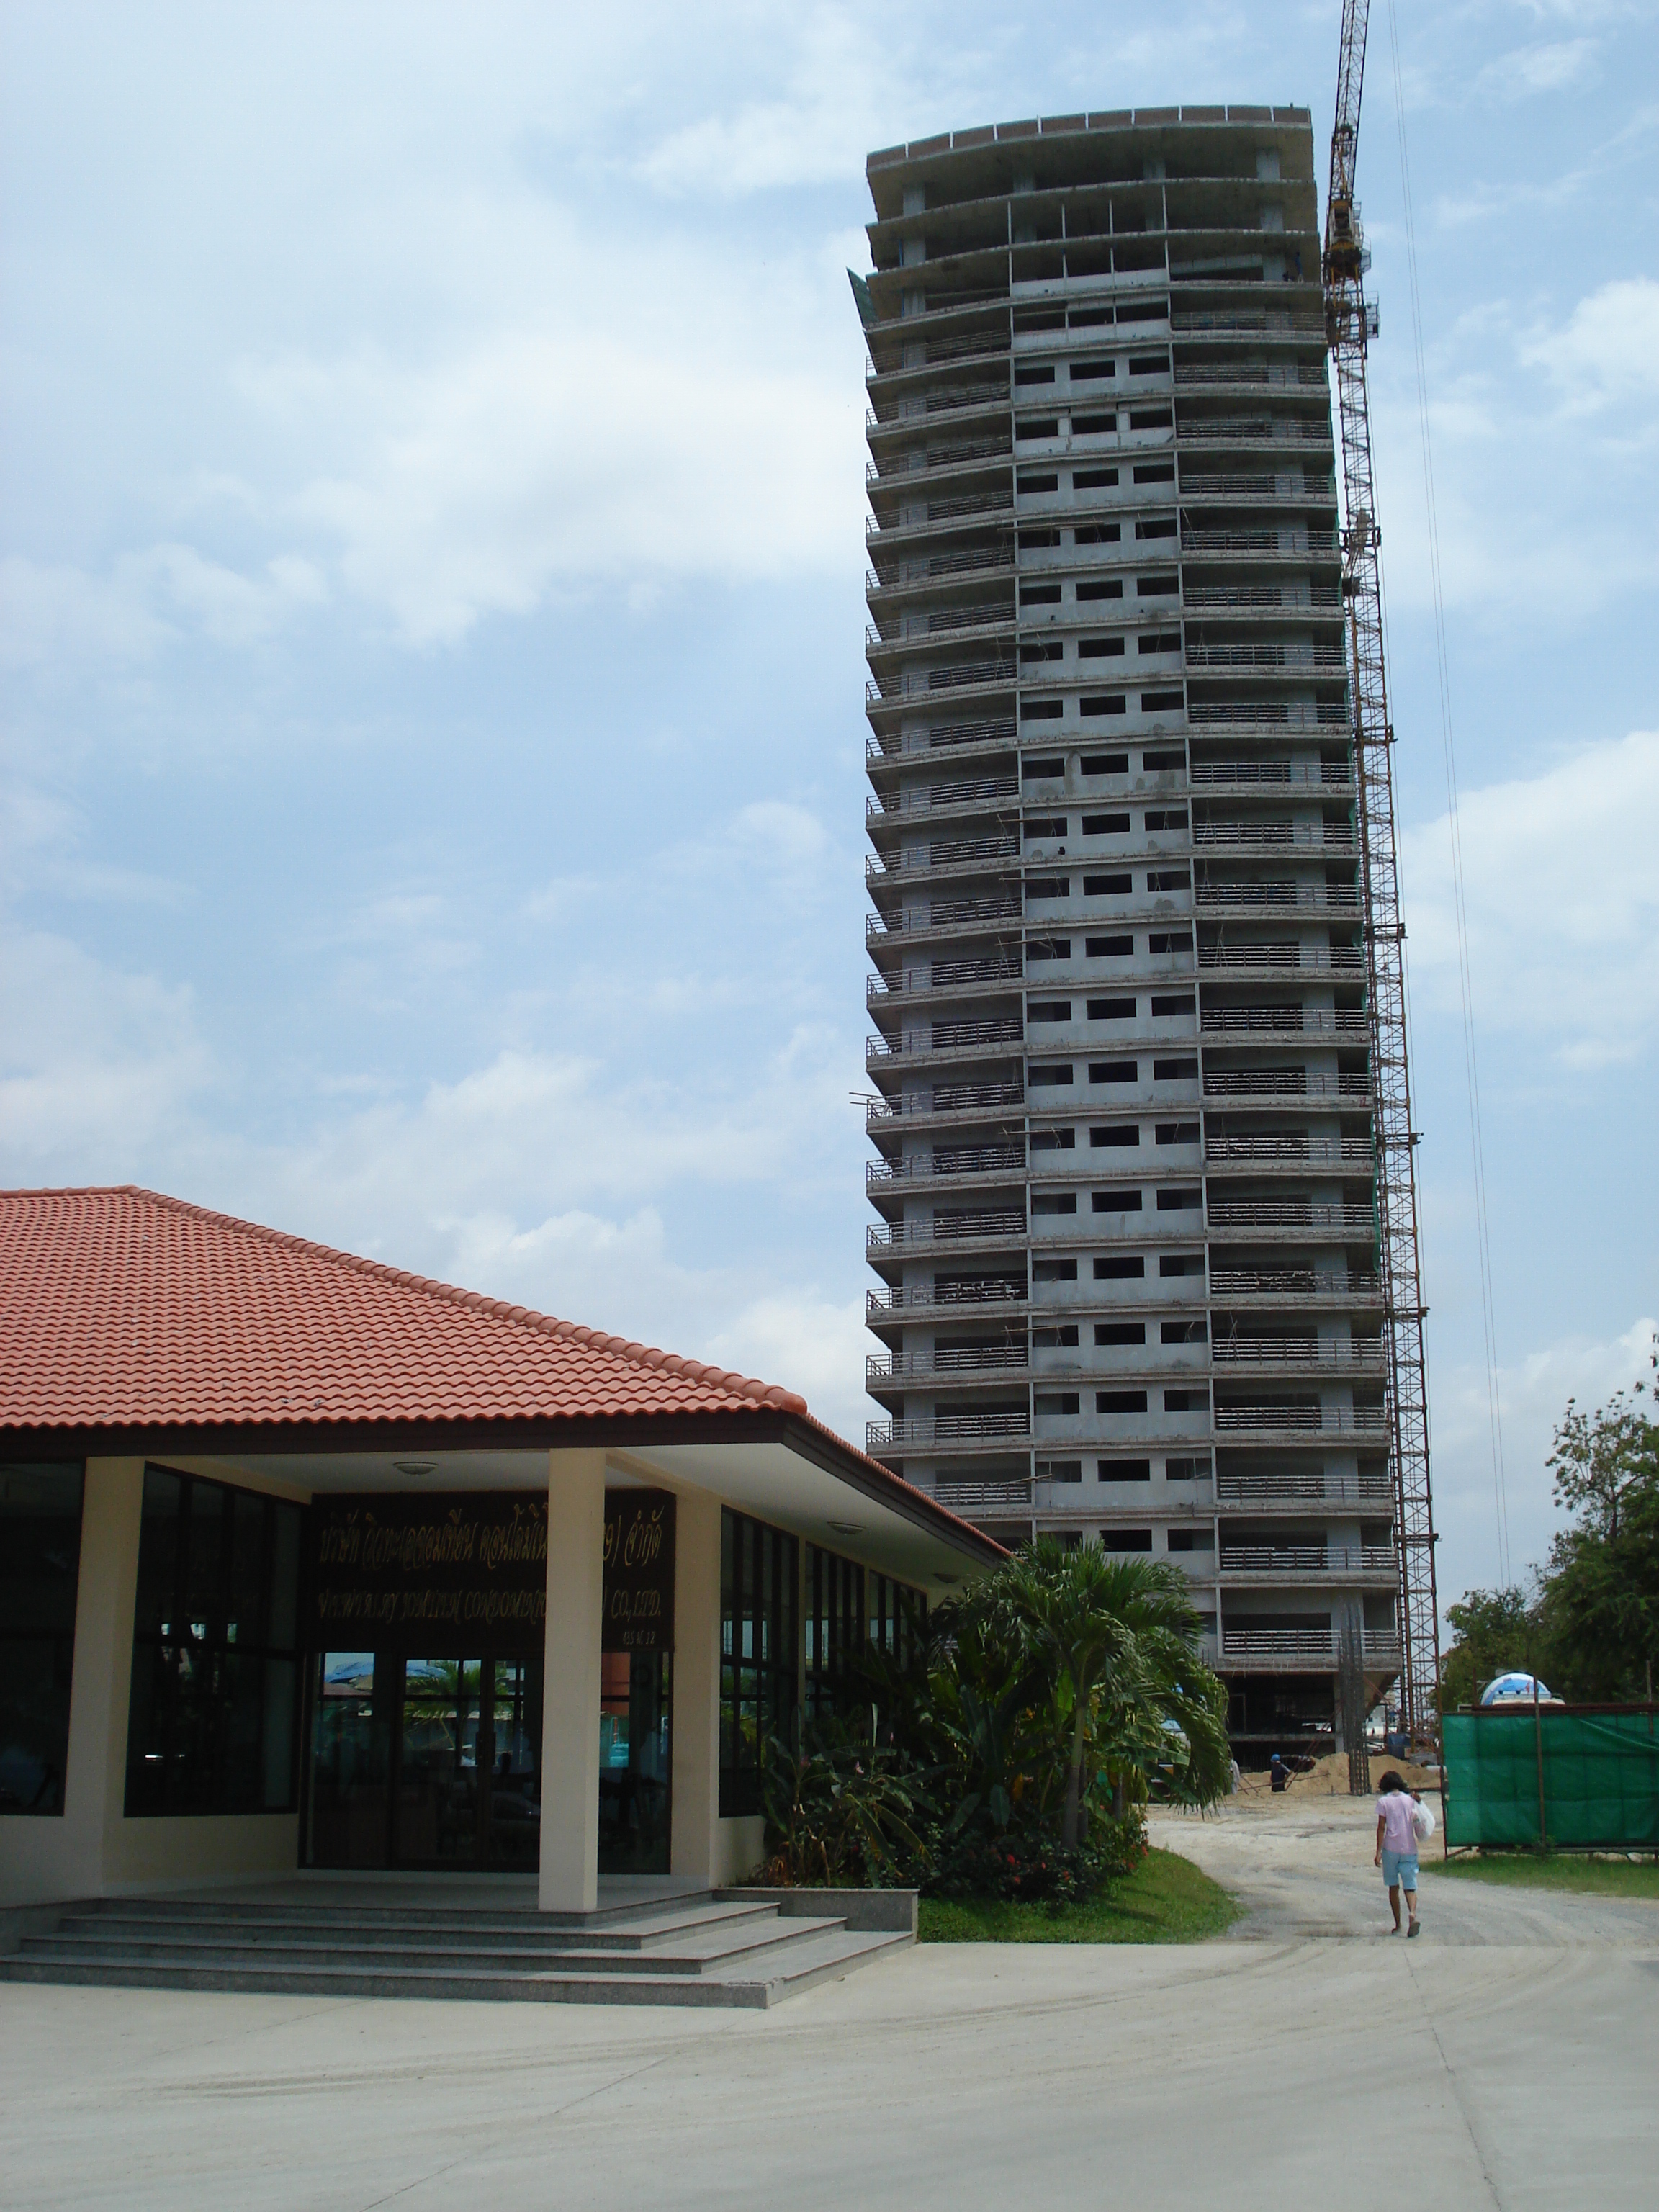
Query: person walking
(1396, 1847)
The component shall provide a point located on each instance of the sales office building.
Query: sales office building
(306, 1562)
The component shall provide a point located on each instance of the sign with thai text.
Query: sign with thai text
(452, 1573)
(638, 1571)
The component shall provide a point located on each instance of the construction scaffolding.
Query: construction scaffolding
(1351, 322)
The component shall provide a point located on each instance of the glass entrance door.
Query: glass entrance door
(425, 1762)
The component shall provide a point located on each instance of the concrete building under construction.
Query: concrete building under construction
(1124, 1102)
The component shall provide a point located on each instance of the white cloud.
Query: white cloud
(98, 1068)
(1551, 67)
(1608, 353)
(1562, 903)
(56, 615)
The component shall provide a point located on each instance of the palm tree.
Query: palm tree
(1112, 1632)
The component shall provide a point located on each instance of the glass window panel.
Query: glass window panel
(282, 1702)
(244, 1599)
(204, 1593)
(158, 1554)
(39, 1548)
(284, 1619)
(34, 1703)
(242, 1786)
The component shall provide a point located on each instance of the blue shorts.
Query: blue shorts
(1400, 1870)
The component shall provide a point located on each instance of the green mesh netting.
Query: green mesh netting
(1601, 1778)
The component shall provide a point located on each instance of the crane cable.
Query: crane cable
(1477, 1148)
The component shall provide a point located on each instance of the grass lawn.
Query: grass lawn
(1562, 1870)
(1165, 1900)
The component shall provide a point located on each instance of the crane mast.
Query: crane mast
(1351, 323)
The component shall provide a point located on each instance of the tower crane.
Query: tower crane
(1351, 323)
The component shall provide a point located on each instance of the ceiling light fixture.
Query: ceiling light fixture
(847, 1528)
(416, 1466)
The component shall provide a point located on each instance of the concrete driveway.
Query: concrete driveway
(1483, 2065)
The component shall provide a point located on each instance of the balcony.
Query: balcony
(912, 575)
(974, 853)
(1265, 656)
(958, 1431)
(954, 399)
(1300, 1420)
(949, 1040)
(1277, 898)
(1285, 1021)
(1300, 375)
(1271, 713)
(947, 1100)
(1291, 836)
(1297, 1352)
(1250, 598)
(948, 1360)
(1285, 486)
(1305, 1645)
(1283, 1486)
(970, 1160)
(1285, 1083)
(1288, 958)
(901, 467)
(934, 683)
(981, 1500)
(1296, 1150)
(941, 513)
(1297, 1216)
(1254, 430)
(1289, 543)
(999, 1225)
(912, 1299)
(938, 797)
(1316, 1286)
(1309, 1559)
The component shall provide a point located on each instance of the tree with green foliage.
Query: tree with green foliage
(1590, 1626)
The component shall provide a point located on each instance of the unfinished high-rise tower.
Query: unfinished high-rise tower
(1126, 1116)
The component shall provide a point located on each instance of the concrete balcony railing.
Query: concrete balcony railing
(1285, 1021)
(1284, 484)
(976, 623)
(1324, 1420)
(1287, 542)
(916, 574)
(1297, 1214)
(964, 1360)
(1284, 1487)
(930, 683)
(956, 1430)
(1270, 714)
(949, 1039)
(901, 467)
(1284, 1083)
(913, 1298)
(1285, 897)
(940, 512)
(1288, 958)
(1248, 599)
(1295, 375)
(1265, 656)
(1291, 836)
(970, 1160)
(946, 1100)
(944, 978)
(1291, 1151)
(1252, 430)
(984, 1499)
(1309, 1558)
(942, 852)
(1314, 1286)
(1306, 1644)
(1295, 775)
(1297, 1352)
(1002, 1226)
(954, 399)
(942, 798)
(1271, 322)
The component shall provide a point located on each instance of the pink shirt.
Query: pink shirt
(1394, 1811)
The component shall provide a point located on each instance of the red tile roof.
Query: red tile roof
(123, 1309)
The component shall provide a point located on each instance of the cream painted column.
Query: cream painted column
(44, 1860)
(570, 1707)
(696, 1713)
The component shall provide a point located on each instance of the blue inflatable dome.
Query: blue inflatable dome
(1504, 1687)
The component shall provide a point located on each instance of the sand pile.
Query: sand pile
(1328, 1778)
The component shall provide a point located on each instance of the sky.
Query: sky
(432, 580)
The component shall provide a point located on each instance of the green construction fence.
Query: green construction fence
(1600, 1782)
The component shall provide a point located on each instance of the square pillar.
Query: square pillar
(695, 1846)
(571, 1682)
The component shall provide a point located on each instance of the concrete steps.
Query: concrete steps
(703, 1950)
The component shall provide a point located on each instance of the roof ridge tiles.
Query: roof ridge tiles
(528, 1317)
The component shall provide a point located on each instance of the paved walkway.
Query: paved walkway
(1303, 1866)
(1505, 2061)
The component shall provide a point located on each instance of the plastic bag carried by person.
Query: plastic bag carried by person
(1423, 1822)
